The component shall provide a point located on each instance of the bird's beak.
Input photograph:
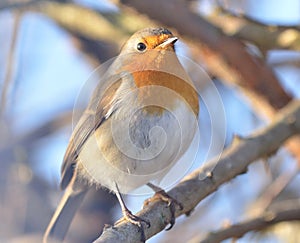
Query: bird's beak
(168, 42)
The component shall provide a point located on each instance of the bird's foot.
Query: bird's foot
(130, 217)
(172, 203)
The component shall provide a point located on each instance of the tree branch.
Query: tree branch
(265, 37)
(196, 186)
(18, 4)
(11, 63)
(241, 15)
(264, 220)
(273, 190)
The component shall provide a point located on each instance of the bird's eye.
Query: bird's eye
(141, 47)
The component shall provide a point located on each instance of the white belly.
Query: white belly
(131, 155)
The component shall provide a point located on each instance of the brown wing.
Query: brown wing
(92, 118)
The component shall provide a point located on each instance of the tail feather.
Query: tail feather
(63, 216)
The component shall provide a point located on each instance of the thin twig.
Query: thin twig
(17, 4)
(266, 219)
(11, 63)
(249, 19)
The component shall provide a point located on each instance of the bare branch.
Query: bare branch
(272, 191)
(10, 63)
(293, 62)
(195, 187)
(99, 34)
(265, 37)
(28, 139)
(264, 220)
(241, 15)
(82, 20)
(18, 4)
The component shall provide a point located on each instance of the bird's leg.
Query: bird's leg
(129, 216)
(160, 194)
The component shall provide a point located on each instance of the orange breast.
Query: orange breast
(183, 89)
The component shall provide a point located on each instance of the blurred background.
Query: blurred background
(49, 49)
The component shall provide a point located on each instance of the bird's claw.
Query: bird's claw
(130, 217)
(171, 202)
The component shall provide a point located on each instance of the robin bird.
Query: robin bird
(140, 120)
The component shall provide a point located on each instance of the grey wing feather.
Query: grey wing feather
(92, 118)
